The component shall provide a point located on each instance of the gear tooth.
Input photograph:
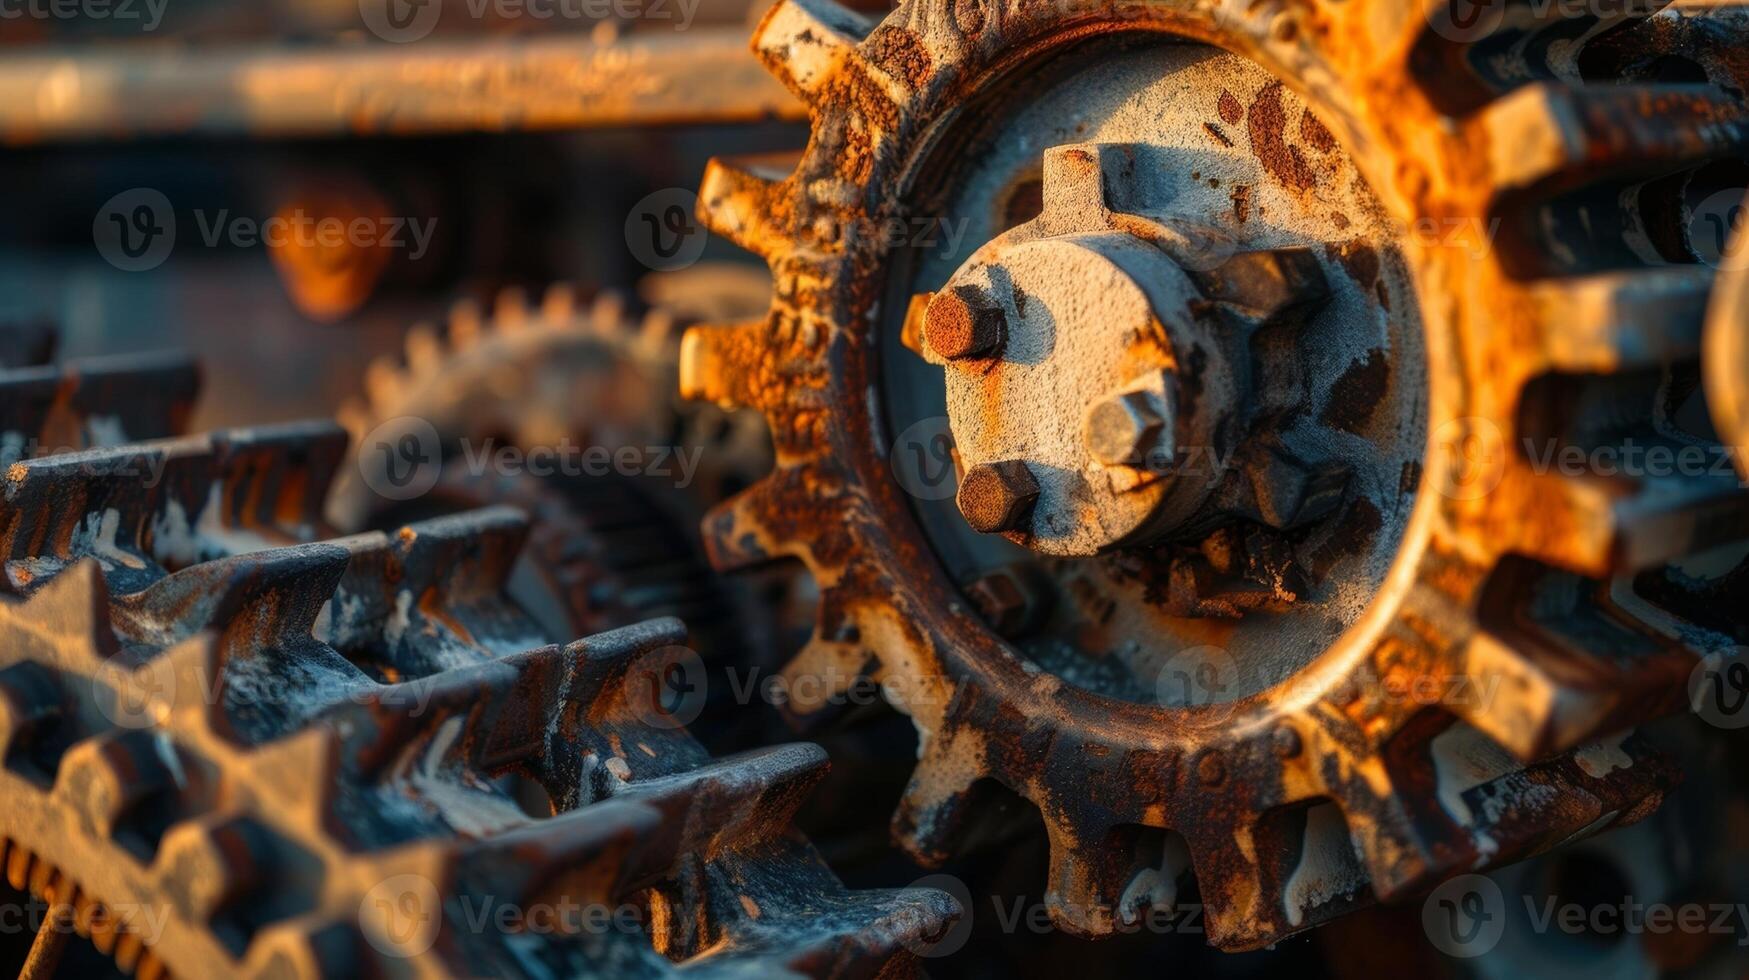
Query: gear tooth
(738, 197)
(95, 503)
(31, 704)
(594, 853)
(725, 364)
(211, 864)
(1082, 892)
(1620, 321)
(133, 397)
(129, 946)
(559, 306)
(506, 702)
(1551, 136)
(72, 611)
(296, 775)
(657, 333)
(27, 399)
(263, 594)
(1596, 527)
(1538, 700)
(511, 310)
(425, 351)
(178, 689)
(1238, 913)
(737, 533)
(18, 864)
(604, 660)
(819, 675)
(867, 925)
(807, 43)
(941, 797)
(450, 562)
(607, 315)
(316, 946)
(110, 776)
(278, 477)
(737, 800)
(1494, 800)
(466, 324)
(356, 418)
(383, 381)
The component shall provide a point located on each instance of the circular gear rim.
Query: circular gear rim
(879, 95)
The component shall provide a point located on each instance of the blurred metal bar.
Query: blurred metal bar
(705, 75)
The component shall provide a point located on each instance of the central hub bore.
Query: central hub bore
(1081, 377)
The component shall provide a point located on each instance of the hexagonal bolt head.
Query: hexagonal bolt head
(1010, 606)
(1125, 429)
(998, 497)
(960, 325)
(1270, 284)
(1291, 493)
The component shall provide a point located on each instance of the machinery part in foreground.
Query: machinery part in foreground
(1250, 573)
(230, 747)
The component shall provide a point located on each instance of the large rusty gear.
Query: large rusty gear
(1320, 785)
(225, 738)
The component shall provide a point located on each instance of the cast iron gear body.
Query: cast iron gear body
(232, 747)
(1325, 787)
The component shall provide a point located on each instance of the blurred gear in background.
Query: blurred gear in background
(1192, 467)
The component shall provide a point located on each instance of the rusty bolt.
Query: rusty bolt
(1124, 429)
(997, 497)
(960, 325)
(1010, 605)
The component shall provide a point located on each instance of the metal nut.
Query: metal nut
(998, 497)
(1124, 429)
(960, 325)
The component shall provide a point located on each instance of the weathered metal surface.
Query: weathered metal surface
(438, 86)
(294, 757)
(1261, 781)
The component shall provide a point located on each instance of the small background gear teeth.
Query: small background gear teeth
(206, 710)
